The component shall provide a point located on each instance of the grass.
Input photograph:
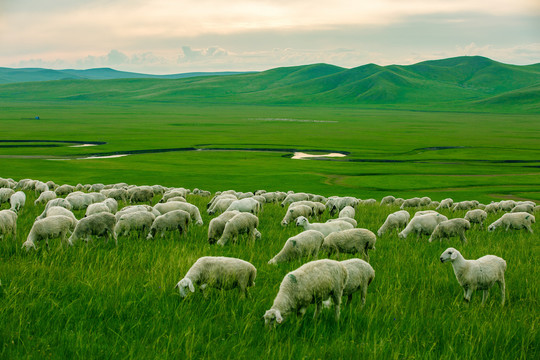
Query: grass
(102, 301)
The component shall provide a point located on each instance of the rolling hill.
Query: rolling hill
(460, 84)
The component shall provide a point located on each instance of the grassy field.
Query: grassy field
(103, 301)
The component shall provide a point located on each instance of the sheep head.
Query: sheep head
(272, 316)
(449, 254)
(183, 285)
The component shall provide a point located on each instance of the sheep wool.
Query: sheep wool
(171, 221)
(325, 228)
(516, 221)
(350, 241)
(395, 220)
(307, 243)
(217, 225)
(100, 224)
(450, 228)
(243, 223)
(8, 223)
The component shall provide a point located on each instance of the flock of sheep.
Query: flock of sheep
(322, 282)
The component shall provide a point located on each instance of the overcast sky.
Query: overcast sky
(174, 36)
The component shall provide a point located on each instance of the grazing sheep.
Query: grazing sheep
(347, 212)
(353, 222)
(44, 197)
(79, 201)
(141, 194)
(479, 274)
(17, 201)
(8, 223)
(307, 243)
(294, 198)
(311, 283)
(388, 200)
(361, 274)
(116, 194)
(413, 202)
(422, 224)
(447, 203)
(425, 201)
(325, 228)
(139, 221)
(465, 205)
(54, 202)
(350, 241)
(174, 193)
(492, 208)
(507, 205)
(40, 187)
(449, 228)
(219, 197)
(58, 210)
(317, 207)
(517, 221)
(218, 272)
(243, 223)
(64, 190)
(178, 205)
(520, 208)
(294, 211)
(217, 225)
(274, 197)
(99, 224)
(171, 221)
(97, 208)
(395, 220)
(5, 194)
(136, 208)
(476, 216)
(249, 205)
(49, 228)
(336, 204)
(176, 198)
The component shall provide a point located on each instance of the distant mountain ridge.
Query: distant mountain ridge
(462, 83)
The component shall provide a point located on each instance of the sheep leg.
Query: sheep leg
(302, 311)
(349, 299)
(485, 294)
(528, 227)
(363, 295)
(502, 287)
(467, 295)
(317, 309)
(463, 238)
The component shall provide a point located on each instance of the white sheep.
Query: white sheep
(141, 194)
(422, 224)
(218, 272)
(140, 221)
(336, 204)
(325, 228)
(49, 228)
(388, 200)
(361, 274)
(97, 208)
(64, 189)
(220, 196)
(492, 208)
(44, 197)
(479, 274)
(136, 208)
(413, 202)
(353, 222)
(79, 201)
(176, 198)
(243, 223)
(173, 193)
(58, 210)
(395, 220)
(449, 228)
(217, 225)
(507, 205)
(518, 208)
(8, 223)
(317, 207)
(5, 194)
(178, 205)
(40, 187)
(171, 221)
(447, 203)
(116, 194)
(294, 211)
(99, 224)
(517, 221)
(350, 241)
(348, 212)
(294, 198)
(307, 243)
(425, 201)
(476, 216)
(17, 201)
(249, 205)
(311, 283)
(465, 205)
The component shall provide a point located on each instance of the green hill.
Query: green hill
(462, 84)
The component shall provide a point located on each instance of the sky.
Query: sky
(177, 36)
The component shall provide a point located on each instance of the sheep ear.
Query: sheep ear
(191, 287)
(453, 256)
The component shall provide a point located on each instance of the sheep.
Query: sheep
(17, 201)
(325, 228)
(310, 283)
(353, 222)
(399, 201)
(492, 208)
(176, 198)
(178, 205)
(99, 224)
(447, 203)
(240, 224)
(8, 223)
(317, 207)
(108, 205)
(425, 201)
(449, 228)
(97, 187)
(141, 194)
(217, 225)
(173, 193)
(274, 197)
(347, 211)
(294, 212)
(476, 216)
(520, 208)
(387, 200)
(96, 197)
(249, 205)
(218, 272)
(395, 220)
(350, 241)
(465, 205)
(244, 195)
(79, 201)
(422, 224)
(116, 194)
(220, 196)
(54, 202)
(293, 198)
(140, 221)
(40, 187)
(507, 205)
(5, 194)
(64, 190)
(307, 243)
(58, 210)
(479, 274)
(49, 228)
(413, 202)
(336, 204)
(361, 274)
(173, 220)
(136, 208)
(44, 197)
(519, 220)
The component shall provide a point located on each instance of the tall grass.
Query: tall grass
(105, 301)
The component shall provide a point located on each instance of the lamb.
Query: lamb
(348, 212)
(517, 221)
(361, 274)
(240, 224)
(249, 205)
(422, 224)
(99, 224)
(447, 203)
(395, 220)
(449, 228)
(479, 274)
(17, 201)
(8, 223)
(218, 272)
(217, 225)
(49, 228)
(350, 241)
(294, 212)
(293, 198)
(178, 205)
(325, 228)
(140, 221)
(311, 283)
(476, 216)
(307, 243)
(171, 221)
(44, 197)
(5, 194)
(387, 200)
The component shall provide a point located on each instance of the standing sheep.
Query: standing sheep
(218, 272)
(178, 205)
(8, 223)
(395, 220)
(388, 200)
(140, 221)
(171, 221)
(217, 225)
(449, 228)
(99, 224)
(249, 205)
(361, 274)
(44, 197)
(422, 224)
(476, 216)
(17, 201)
(293, 198)
(49, 228)
(347, 212)
(447, 203)
(413, 202)
(479, 274)
(5, 194)
(243, 223)
(350, 241)
(311, 283)
(325, 228)
(517, 221)
(294, 211)
(307, 243)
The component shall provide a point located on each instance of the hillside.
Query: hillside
(462, 83)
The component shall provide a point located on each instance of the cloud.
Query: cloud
(188, 54)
